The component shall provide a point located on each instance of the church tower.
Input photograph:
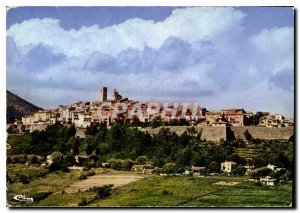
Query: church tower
(103, 94)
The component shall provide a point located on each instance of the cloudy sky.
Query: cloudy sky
(241, 57)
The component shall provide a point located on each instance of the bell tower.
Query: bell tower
(103, 94)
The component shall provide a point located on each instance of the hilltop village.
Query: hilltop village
(84, 114)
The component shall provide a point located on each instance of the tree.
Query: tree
(214, 167)
(239, 170)
(70, 131)
(92, 130)
(89, 150)
(141, 160)
(57, 161)
(56, 157)
(98, 151)
(260, 172)
(70, 160)
(74, 144)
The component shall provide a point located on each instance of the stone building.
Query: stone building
(227, 166)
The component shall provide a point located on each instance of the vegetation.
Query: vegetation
(42, 182)
(197, 192)
(123, 145)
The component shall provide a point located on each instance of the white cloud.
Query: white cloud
(196, 54)
(189, 24)
(276, 46)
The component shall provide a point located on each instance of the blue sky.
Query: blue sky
(219, 57)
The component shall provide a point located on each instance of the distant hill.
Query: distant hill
(17, 107)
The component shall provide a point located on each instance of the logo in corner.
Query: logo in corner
(23, 198)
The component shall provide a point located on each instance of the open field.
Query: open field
(103, 179)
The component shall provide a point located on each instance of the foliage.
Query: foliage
(83, 177)
(40, 195)
(103, 191)
(141, 160)
(91, 173)
(214, 167)
(260, 172)
(124, 141)
(120, 164)
(83, 202)
(57, 157)
(239, 170)
(169, 168)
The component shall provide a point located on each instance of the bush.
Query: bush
(169, 168)
(40, 196)
(22, 159)
(64, 168)
(141, 160)
(166, 192)
(83, 202)
(83, 177)
(103, 191)
(24, 179)
(57, 157)
(33, 159)
(54, 167)
(70, 160)
(91, 173)
(239, 170)
(120, 164)
(258, 184)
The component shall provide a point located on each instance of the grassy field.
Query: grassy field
(198, 192)
(159, 191)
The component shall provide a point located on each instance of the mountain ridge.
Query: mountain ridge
(17, 107)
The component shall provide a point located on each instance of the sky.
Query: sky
(219, 57)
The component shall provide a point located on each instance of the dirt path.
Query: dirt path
(99, 180)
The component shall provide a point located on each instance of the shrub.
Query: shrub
(166, 192)
(103, 191)
(91, 173)
(83, 177)
(120, 164)
(258, 184)
(40, 196)
(54, 167)
(169, 168)
(83, 202)
(57, 157)
(24, 179)
(141, 160)
(70, 160)
(33, 159)
(64, 168)
(239, 170)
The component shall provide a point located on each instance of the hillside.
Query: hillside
(17, 107)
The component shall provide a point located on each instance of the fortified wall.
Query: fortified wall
(215, 134)
(209, 133)
(263, 132)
